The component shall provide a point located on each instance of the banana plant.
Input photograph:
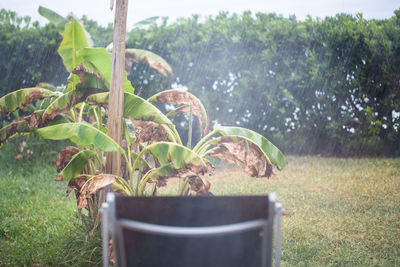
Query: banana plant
(152, 149)
(69, 109)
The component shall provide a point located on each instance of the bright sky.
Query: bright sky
(99, 9)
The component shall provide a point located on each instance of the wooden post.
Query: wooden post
(116, 100)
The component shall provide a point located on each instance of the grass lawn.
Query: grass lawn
(341, 212)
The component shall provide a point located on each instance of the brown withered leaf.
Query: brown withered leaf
(199, 186)
(149, 132)
(191, 170)
(160, 182)
(111, 253)
(34, 120)
(92, 186)
(210, 168)
(48, 86)
(76, 185)
(12, 129)
(34, 95)
(64, 157)
(137, 55)
(247, 155)
(204, 123)
(26, 125)
(179, 97)
(82, 71)
(31, 96)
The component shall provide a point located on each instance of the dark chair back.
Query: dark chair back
(191, 231)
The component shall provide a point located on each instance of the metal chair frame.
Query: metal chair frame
(109, 222)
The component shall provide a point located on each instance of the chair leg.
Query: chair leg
(278, 242)
(104, 232)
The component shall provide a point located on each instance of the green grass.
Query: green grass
(39, 225)
(338, 212)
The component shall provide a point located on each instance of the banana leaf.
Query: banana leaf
(74, 39)
(101, 60)
(89, 77)
(82, 134)
(242, 152)
(180, 157)
(98, 182)
(186, 99)
(145, 22)
(272, 152)
(12, 129)
(76, 165)
(22, 98)
(54, 18)
(135, 107)
(146, 57)
(62, 104)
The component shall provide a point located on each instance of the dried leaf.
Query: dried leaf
(161, 174)
(243, 153)
(22, 146)
(22, 98)
(46, 86)
(199, 186)
(111, 255)
(24, 126)
(64, 156)
(76, 184)
(92, 186)
(151, 132)
(89, 77)
(186, 99)
(146, 57)
(34, 120)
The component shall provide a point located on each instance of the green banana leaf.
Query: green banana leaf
(146, 57)
(101, 60)
(76, 165)
(74, 39)
(82, 134)
(129, 130)
(164, 171)
(179, 97)
(22, 98)
(273, 153)
(180, 157)
(145, 22)
(135, 107)
(54, 18)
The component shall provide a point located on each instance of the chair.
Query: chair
(192, 231)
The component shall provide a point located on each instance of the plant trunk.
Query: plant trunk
(116, 100)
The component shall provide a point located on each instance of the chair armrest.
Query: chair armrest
(192, 231)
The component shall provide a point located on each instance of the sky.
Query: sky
(99, 10)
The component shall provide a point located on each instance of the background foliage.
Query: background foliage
(328, 86)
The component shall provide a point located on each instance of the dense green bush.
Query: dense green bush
(28, 53)
(326, 86)
(316, 86)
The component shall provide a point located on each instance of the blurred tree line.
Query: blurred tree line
(320, 86)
